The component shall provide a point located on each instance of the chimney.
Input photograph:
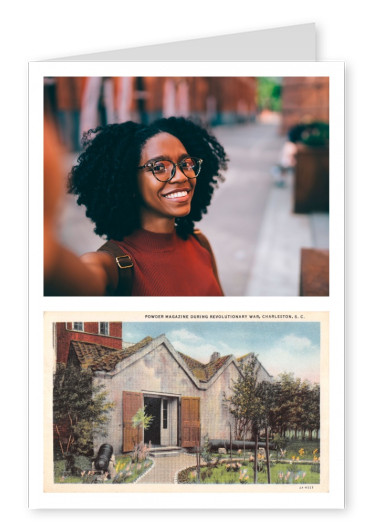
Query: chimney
(215, 356)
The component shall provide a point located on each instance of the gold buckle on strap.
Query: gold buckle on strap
(124, 266)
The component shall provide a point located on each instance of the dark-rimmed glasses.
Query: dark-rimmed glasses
(165, 170)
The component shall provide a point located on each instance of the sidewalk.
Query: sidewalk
(276, 266)
(256, 237)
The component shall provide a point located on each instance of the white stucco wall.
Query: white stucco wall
(158, 372)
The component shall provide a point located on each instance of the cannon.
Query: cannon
(102, 460)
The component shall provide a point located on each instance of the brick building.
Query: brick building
(101, 333)
(216, 100)
(97, 101)
(304, 100)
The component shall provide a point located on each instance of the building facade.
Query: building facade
(184, 397)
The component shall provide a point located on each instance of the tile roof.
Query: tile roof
(245, 356)
(204, 371)
(100, 358)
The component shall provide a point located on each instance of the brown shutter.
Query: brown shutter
(190, 421)
(132, 402)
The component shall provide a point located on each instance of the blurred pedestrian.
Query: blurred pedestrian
(68, 102)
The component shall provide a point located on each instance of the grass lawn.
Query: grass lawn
(292, 468)
(126, 472)
(280, 473)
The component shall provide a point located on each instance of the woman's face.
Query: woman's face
(162, 202)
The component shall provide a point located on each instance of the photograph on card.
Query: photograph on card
(186, 186)
(146, 402)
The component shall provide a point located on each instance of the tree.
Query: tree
(285, 414)
(312, 411)
(297, 406)
(267, 393)
(245, 404)
(242, 402)
(80, 410)
(141, 420)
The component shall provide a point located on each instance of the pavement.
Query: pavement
(254, 233)
(165, 468)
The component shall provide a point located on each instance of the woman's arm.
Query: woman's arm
(64, 272)
(68, 274)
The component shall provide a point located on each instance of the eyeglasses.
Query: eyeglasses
(165, 170)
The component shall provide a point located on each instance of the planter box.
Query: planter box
(314, 273)
(311, 185)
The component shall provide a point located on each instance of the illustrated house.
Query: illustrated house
(183, 395)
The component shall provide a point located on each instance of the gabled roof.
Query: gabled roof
(109, 360)
(204, 371)
(100, 358)
(244, 358)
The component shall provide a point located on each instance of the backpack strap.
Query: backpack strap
(124, 265)
(204, 242)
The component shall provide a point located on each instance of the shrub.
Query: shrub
(77, 464)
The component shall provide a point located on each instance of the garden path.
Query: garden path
(165, 468)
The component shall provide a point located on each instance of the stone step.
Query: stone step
(164, 454)
(163, 451)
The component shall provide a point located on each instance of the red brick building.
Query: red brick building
(102, 333)
(216, 100)
(304, 100)
(97, 101)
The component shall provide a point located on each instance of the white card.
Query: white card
(251, 55)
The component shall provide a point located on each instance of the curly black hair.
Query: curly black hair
(105, 176)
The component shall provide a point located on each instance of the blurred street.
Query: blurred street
(254, 234)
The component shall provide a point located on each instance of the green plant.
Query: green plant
(280, 444)
(316, 134)
(141, 419)
(80, 411)
(315, 467)
(243, 476)
(77, 464)
(207, 455)
(139, 453)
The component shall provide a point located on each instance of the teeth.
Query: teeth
(177, 194)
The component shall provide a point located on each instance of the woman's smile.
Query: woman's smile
(180, 195)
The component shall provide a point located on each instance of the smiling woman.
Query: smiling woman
(144, 187)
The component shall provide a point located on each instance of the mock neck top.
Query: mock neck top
(166, 265)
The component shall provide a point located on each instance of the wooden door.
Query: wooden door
(132, 402)
(190, 421)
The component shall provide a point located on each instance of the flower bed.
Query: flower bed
(126, 471)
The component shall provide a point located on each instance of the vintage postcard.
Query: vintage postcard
(187, 403)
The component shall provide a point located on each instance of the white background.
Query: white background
(40, 30)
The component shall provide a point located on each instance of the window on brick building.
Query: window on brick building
(104, 329)
(79, 327)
